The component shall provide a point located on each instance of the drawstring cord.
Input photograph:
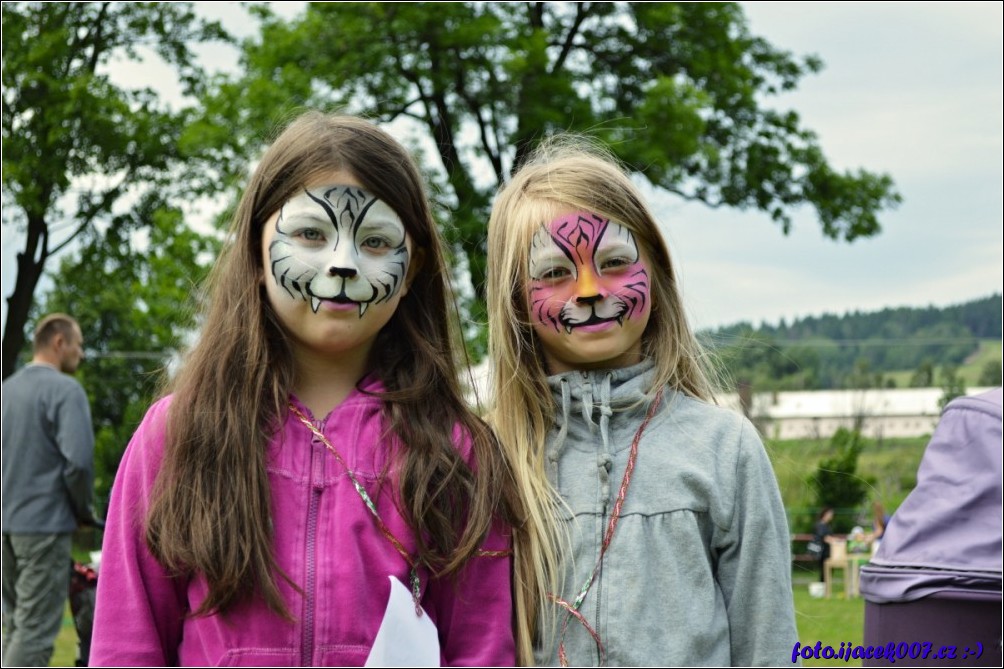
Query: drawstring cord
(555, 448)
(573, 608)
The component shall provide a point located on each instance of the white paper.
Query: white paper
(404, 639)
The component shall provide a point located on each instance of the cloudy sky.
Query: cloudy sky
(911, 89)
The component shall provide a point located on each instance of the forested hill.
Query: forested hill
(866, 349)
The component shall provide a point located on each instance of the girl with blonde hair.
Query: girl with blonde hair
(656, 533)
(315, 455)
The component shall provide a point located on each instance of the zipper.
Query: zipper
(604, 467)
(599, 583)
(316, 485)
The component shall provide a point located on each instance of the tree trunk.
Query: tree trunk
(30, 264)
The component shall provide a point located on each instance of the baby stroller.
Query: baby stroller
(83, 589)
(933, 589)
(83, 593)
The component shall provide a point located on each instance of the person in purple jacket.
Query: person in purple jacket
(315, 455)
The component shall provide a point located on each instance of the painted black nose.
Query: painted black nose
(589, 299)
(344, 272)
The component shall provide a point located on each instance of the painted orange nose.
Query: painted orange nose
(587, 287)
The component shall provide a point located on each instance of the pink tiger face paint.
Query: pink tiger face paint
(589, 291)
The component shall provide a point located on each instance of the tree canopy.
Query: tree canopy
(836, 482)
(858, 350)
(77, 149)
(680, 92)
(134, 302)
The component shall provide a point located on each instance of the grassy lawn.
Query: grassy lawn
(890, 466)
(830, 621)
(970, 370)
(989, 350)
(65, 653)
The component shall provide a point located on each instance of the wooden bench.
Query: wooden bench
(800, 540)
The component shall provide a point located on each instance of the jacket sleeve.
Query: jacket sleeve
(75, 436)
(754, 562)
(140, 608)
(473, 612)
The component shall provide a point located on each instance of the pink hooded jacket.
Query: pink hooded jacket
(326, 541)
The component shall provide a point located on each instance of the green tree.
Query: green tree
(862, 376)
(134, 308)
(678, 90)
(990, 375)
(77, 149)
(836, 482)
(952, 385)
(757, 358)
(856, 350)
(923, 377)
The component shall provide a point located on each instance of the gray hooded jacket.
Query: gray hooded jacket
(699, 570)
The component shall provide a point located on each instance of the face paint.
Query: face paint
(586, 273)
(338, 246)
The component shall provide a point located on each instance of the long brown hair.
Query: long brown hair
(211, 510)
(565, 172)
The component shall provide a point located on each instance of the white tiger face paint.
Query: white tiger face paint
(338, 248)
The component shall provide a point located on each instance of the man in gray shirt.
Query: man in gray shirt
(48, 474)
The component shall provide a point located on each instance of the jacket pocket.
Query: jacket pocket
(342, 655)
(259, 657)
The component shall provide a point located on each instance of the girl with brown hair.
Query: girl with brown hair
(656, 534)
(315, 441)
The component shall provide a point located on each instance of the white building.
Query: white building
(907, 412)
(812, 414)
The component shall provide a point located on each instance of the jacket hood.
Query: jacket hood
(598, 401)
(604, 391)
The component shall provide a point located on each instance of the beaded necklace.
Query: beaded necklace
(416, 584)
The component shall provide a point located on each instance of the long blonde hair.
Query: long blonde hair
(565, 172)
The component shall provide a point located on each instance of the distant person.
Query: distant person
(48, 455)
(821, 537)
(880, 521)
(858, 541)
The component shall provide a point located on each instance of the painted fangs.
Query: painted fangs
(568, 329)
(315, 303)
(620, 321)
(362, 308)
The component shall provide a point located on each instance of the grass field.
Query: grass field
(890, 466)
(990, 350)
(970, 370)
(830, 621)
(65, 653)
